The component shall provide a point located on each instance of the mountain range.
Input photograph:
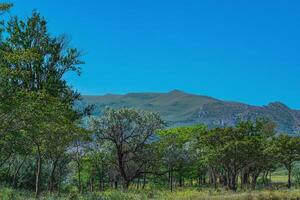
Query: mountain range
(178, 108)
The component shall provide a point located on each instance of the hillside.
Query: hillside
(180, 108)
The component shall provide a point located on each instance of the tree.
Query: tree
(100, 157)
(178, 151)
(257, 138)
(224, 150)
(36, 102)
(232, 150)
(47, 127)
(33, 60)
(61, 137)
(287, 151)
(131, 134)
(5, 7)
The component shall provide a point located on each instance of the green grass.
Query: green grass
(185, 194)
(279, 179)
(156, 194)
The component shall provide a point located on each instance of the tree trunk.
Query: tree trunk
(234, 185)
(266, 177)
(15, 177)
(181, 181)
(38, 175)
(59, 182)
(289, 178)
(111, 181)
(138, 183)
(144, 181)
(232, 182)
(254, 181)
(211, 178)
(171, 181)
(215, 181)
(126, 184)
(122, 169)
(52, 177)
(101, 183)
(245, 179)
(91, 184)
(116, 183)
(79, 176)
(225, 181)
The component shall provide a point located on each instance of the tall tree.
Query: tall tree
(36, 101)
(287, 151)
(46, 126)
(258, 136)
(34, 60)
(131, 134)
(178, 151)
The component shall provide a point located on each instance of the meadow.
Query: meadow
(184, 194)
(276, 191)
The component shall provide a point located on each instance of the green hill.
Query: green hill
(180, 108)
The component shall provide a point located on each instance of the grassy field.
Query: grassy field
(279, 179)
(156, 194)
(186, 194)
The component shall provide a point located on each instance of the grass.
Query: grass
(279, 179)
(185, 194)
(156, 194)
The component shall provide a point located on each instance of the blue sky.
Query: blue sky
(243, 50)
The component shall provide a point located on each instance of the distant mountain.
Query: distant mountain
(179, 108)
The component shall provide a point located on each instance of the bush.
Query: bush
(7, 194)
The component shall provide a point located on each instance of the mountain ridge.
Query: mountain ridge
(179, 108)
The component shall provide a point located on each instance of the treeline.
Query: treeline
(187, 156)
(46, 144)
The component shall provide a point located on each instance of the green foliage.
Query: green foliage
(287, 150)
(36, 102)
(296, 175)
(131, 134)
(34, 60)
(4, 7)
(179, 152)
(45, 146)
(242, 149)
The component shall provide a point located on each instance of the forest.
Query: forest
(51, 149)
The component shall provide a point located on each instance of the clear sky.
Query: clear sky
(243, 50)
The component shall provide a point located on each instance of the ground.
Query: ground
(184, 194)
(164, 194)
